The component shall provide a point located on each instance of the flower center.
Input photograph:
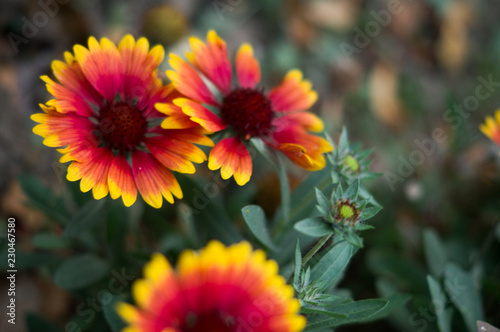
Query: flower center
(122, 125)
(215, 322)
(248, 111)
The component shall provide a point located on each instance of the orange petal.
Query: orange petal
(121, 181)
(294, 94)
(93, 173)
(102, 65)
(306, 120)
(247, 67)
(232, 156)
(154, 180)
(188, 82)
(212, 60)
(199, 114)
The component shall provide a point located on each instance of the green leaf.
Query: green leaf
(43, 198)
(49, 241)
(434, 253)
(112, 318)
(463, 293)
(369, 212)
(357, 312)
(310, 310)
(352, 191)
(85, 218)
(285, 190)
(315, 227)
(343, 139)
(331, 266)
(298, 264)
(35, 323)
(353, 238)
(80, 271)
(439, 302)
(363, 227)
(322, 200)
(256, 220)
(396, 302)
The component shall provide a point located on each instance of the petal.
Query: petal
(101, 63)
(199, 114)
(232, 156)
(307, 120)
(66, 101)
(93, 173)
(194, 135)
(176, 119)
(175, 155)
(247, 67)
(303, 149)
(492, 128)
(59, 129)
(212, 60)
(139, 63)
(121, 181)
(154, 180)
(294, 94)
(188, 82)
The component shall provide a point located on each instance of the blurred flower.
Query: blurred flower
(492, 128)
(385, 101)
(218, 289)
(104, 116)
(164, 24)
(278, 117)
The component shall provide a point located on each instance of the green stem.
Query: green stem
(315, 249)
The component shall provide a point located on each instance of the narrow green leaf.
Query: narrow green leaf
(396, 301)
(311, 310)
(35, 323)
(49, 241)
(85, 218)
(315, 227)
(285, 191)
(357, 312)
(439, 304)
(298, 264)
(435, 254)
(256, 220)
(80, 271)
(114, 321)
(331, 266)
(343, 139)
(322, 200)
(353, 238)
(363, 227)
(369, 212)
(352, 191)
(463, 293)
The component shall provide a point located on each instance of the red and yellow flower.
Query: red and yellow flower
(278, 117)
(216, 290)
(492, 128)
(104, 119)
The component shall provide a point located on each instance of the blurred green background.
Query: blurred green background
(411, 79)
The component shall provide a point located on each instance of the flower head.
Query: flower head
(218, 289)
(103, 117)
(492, 128)
(245, 110)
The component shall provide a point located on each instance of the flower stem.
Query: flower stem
(316, 248)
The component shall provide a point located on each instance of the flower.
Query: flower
(278, 117)
(218, 289)
(492, 128)
(103, 115)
